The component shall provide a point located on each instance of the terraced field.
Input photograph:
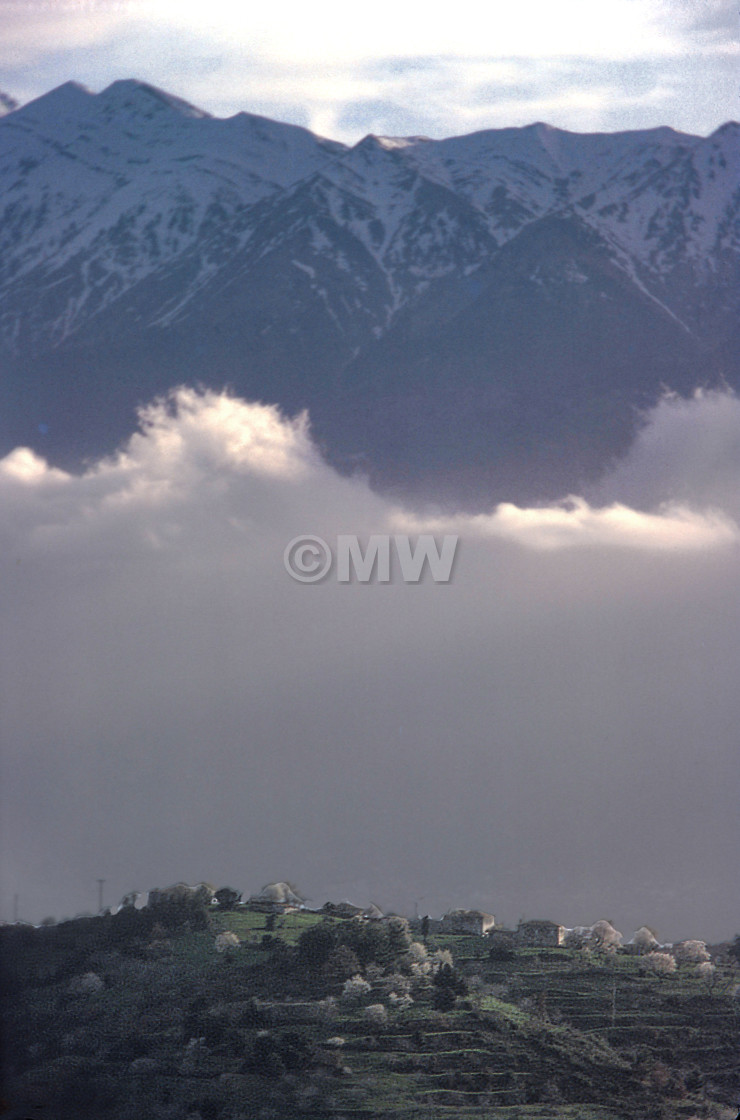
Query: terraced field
(160, 1024)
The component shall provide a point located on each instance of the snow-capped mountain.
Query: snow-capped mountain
(101, 191)
(444, 308)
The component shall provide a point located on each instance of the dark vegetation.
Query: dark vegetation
(138, 1015)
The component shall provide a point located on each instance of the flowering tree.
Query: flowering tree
(644, 940)
(706, 971)
(691, 952)
(662, 963)
(226, 940)
(376, 1014)
(355, 989)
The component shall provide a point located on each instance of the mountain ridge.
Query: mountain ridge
(135, 226)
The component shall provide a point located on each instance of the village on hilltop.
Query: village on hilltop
(283, 898)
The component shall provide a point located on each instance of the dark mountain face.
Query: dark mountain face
(468, 319)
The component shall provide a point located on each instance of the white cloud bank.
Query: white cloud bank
(551, 733)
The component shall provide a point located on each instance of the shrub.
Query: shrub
(376, 1015)
(86, 985)
(500, 951)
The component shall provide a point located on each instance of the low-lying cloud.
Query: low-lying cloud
(552, 733)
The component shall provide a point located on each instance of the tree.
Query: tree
(227, 898)
(691, 952)
(444, 999)
(179, 905)
(447, 977)
(341, 964)
(315, 945)
(399, 934)
(372, 941)
(734, 950)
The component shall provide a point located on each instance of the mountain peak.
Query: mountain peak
(372, 146)
(128, 93)
(63, 100)
(549, 139)
(729, 128)
(7, 103)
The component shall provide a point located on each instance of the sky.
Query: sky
(551, 733)
(345, 70)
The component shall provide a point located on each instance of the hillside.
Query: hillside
(140, 1014)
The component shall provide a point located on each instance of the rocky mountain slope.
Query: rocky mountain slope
(465, 318)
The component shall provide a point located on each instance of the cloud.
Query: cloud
(575, 524)
(553, 732)
(621, 64)
(32, 28)
(332, 31)
(687, 450)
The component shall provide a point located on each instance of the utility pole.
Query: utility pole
(15, 907)
(100, 894)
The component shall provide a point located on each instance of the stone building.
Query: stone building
(342, 910)
(474, 922)
(275, 898)
(539, 934)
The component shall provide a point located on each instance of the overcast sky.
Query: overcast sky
(399, 69)
(553, 733)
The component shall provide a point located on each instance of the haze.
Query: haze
(551, 734)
